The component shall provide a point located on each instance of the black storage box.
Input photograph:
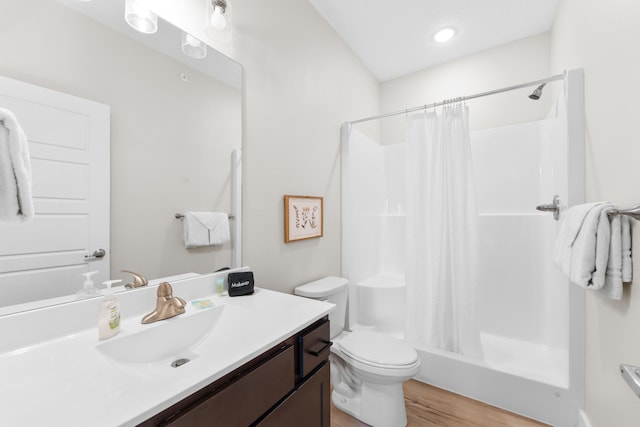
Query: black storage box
(240, 283)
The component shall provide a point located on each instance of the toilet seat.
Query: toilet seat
(378, 350)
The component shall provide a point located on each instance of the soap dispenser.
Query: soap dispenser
(88, 289)
(109, 314)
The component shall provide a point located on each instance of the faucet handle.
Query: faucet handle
(165, 290)
(138, 280)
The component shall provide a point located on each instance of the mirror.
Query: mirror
(174, 124)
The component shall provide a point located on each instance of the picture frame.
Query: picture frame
(303, 218)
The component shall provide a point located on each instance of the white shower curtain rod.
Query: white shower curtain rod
(463, 98)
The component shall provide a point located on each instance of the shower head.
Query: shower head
(536, 94)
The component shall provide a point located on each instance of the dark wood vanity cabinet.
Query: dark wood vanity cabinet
(308, 406)
(288, 385)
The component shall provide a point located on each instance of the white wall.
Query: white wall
(171, 141)
(301, 83)
(603, 38)
(510, 64)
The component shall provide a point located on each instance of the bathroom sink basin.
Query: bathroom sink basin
(164, 340)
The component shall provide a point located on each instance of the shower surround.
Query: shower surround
(530, 318)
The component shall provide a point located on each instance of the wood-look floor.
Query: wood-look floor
(430, 406)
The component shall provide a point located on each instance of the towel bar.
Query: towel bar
(180, 216)
(553, 207)
(634, 212)
(631, 375)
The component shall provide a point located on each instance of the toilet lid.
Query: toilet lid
(377, 348)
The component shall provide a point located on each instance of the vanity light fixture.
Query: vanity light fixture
(445, 34)
(218, 25)
(140, 18)
(192, 47)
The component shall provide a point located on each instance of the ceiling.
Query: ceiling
(394, 38)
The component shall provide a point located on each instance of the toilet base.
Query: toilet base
(377, 405)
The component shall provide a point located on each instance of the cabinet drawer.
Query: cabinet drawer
(309, 406)
(313, 348)
(246, 399)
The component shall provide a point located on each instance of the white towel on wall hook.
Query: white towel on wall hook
(205, 229)
(16, 202)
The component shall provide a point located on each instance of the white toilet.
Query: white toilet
(367, 367)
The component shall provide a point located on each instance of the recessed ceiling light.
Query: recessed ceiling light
(444, 35)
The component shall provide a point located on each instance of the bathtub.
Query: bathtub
(537, 388)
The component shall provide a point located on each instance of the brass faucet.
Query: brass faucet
(138, 280)
(166, 305)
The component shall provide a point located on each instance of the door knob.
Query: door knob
(98, 253)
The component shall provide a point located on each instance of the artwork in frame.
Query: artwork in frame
(303, 218)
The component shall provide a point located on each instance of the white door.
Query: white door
(69, 148)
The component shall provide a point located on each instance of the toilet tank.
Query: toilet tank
(381, 305)
(331, 289)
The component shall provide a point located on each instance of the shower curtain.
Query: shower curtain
(441, 233)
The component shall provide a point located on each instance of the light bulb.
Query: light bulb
(193, 47)
(444, 35)
(218, 21)
(140, 18)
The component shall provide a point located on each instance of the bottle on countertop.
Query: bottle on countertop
(220, 286)
(88, 289)
(109, 313)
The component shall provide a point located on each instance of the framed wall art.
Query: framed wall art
(303, 218)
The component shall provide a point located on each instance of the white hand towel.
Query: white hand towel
(572, 221)
(627, 262)
(205, 229)
(16, 202)
(612, 287)
(582, 246)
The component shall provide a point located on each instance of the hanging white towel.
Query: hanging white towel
(205, 229)
(627, 262)
(583, 243)
(612, 287)
(619, 265)
(16, 202)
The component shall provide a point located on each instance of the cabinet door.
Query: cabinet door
(308, 406)
(245, 400)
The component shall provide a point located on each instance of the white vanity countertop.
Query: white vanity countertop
(66, 381)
